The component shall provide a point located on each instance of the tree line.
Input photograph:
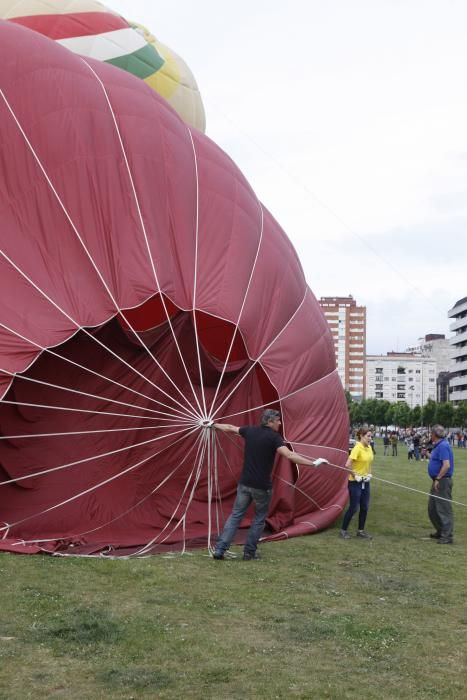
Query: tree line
(383, 413)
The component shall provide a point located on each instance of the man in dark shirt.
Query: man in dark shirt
(261, 444)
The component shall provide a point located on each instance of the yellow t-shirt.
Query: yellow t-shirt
(361, 457)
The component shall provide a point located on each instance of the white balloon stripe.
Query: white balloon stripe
(241, 311)
(86, 251)
(280, 398)
(83, 410)
(195, 276)
(14, 480)
(104, 399)
(122, 515)
(90, 371)
(255, 362)
(89, 490)
(148, 248)
(81, 432)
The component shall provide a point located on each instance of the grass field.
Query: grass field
(317, 617)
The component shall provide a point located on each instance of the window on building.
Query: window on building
(400, 370)
(379, 370)
(400, 395)
(401, 387)
(378, 394)
(417, 371)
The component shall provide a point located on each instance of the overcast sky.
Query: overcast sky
(349, 119)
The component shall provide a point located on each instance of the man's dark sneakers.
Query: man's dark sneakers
(435, 535)
(218, 555)
(445, 540)
(250, 557)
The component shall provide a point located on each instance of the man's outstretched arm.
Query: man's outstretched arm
(226, 427)
(299, 459)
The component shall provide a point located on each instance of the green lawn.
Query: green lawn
(318, 617)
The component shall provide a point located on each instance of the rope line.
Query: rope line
(151, 260)
(241, 310)
(90, 371)
(86, 491)
(14, 480)
(87, 253)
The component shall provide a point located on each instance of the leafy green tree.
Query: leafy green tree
(416, 417)
(402, 414)
(348, 398)
(389, 417)
(445, 414)
(460, 415)
(381, 412)
(429, 413)
(355, 413)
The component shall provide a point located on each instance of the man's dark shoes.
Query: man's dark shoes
(218, 555)
(445, 540)
(250, 557)
(435, 535)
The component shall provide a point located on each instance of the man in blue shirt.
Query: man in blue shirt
(440, 470)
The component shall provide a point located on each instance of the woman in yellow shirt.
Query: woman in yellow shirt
(359, 462)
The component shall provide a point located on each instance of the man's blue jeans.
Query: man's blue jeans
(245, 495)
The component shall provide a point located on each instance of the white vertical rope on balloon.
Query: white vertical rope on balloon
(83, 245)
(253, 365)
(241, 310)
(90, 489)
(85, 460)
(89, 335)
(198, 462)
(143, 230)
(90, 371)
(195, 276)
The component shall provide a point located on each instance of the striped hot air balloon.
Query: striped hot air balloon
(89, 28)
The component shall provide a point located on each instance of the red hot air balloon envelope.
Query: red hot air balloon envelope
(144, 291)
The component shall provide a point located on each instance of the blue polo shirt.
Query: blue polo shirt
(439, 453)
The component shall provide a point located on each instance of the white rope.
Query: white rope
(241, 310)
(89, 256)
(82, 410)
(88, 334)
(6, 530)
(253, 365)
(195, 281)
(118, 517)
(307, 496)
(279, 399)
(197, 467)
(13, 480)
(403, 486)
(86, 369)
(151, 260)
(78, 432)
(89, 490)
(104, 399)
(321, 447)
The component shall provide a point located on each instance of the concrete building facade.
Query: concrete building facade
(458, 377)
(347, 322)
(401, 377)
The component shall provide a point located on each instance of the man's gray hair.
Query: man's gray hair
(269, 415)
(438, 430)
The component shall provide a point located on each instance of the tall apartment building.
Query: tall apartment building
(401, 377)
(347, 322)
(458, 377)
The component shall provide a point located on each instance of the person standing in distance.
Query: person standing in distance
(359, 462)
(261, 445)
(441, 470)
